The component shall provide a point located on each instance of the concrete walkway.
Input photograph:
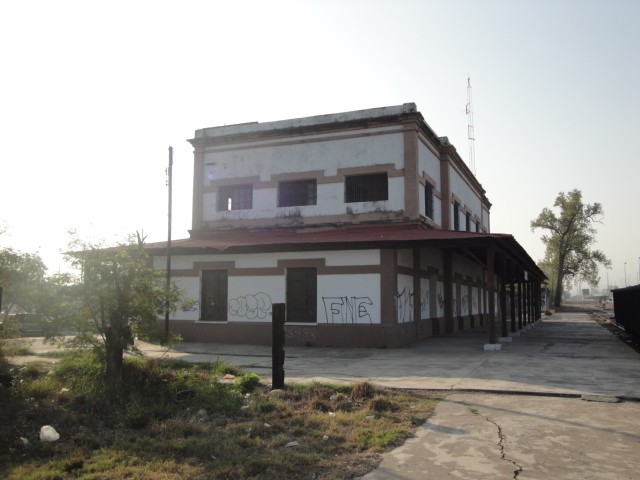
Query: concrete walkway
(565, 354)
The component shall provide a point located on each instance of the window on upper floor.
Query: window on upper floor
(235, 197)
(468, 221)
(366, 188)
(477, 227)
(213, 304)
(298, 192)
(456, 216)
(428, 201)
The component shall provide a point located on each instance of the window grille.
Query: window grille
(366, 188)
(235, 197)
(213, 304)
(301, 295)
(299, 192)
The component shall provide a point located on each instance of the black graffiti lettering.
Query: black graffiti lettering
(347, 309)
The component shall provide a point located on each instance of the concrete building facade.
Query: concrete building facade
(366, 224)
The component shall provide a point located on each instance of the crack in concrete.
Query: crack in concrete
(501, 444)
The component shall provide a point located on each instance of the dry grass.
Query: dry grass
(153, 430)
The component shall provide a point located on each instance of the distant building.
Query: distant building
(369, 227)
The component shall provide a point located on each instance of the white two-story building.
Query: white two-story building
(366, 225)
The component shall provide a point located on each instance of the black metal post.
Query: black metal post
(277, 345)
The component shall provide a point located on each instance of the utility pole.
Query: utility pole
(168, 283)
(470, 129)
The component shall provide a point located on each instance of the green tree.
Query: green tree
(120, 297)
(569, 240)
(21, 279)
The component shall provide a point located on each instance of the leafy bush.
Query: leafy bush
(247, 383)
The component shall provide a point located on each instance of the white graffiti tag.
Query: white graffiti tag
(256, 305)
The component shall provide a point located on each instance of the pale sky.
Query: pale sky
(93, 93)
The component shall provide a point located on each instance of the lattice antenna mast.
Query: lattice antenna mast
(470, 130)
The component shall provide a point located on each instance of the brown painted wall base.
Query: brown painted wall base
(319, 335)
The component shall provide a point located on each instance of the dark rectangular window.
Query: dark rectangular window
(477, 227)
(235, 197)
(468, 221)
(428, 201)
(299, 192)
(213, 304)
(456, 216)
(366, 188)
(301, 295)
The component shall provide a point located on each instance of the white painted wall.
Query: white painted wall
(429, 163)
(251, 298)
(266, 260)
(425, 298)
(468, 197)
(349, 299)
(404, 299)
(440, 299)
(311, 153)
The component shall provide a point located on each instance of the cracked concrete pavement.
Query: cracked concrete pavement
(487, 436)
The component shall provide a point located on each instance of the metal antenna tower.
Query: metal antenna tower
(470, 130)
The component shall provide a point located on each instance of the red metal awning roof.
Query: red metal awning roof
(234, 239)
(349, 237)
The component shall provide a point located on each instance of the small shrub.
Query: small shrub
(364, 390)
(341, 402)
(265, 404)
(32, 371)
(135, 416)
(383, 404)
(247, 383)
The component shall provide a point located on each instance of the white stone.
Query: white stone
(48, 434)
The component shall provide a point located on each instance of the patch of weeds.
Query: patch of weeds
(135, 415)
(378, 439)
(473, 411)
(247, 383)
(364, 390)
(148, 427)
(383, 404)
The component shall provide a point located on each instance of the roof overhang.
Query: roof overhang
(471, 244)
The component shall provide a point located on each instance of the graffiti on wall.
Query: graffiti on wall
(465, 305)
(424, 303)
(404, 304)
(347, 309)
(299, 332)
(255, 305)
(440, 301)
(192, 306)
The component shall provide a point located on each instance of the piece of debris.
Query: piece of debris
(228, 376)
(202, 415)
(277, 392)
(266, 425)
(370, 417)
(25, 441)
(292, 444)
(64, 390)
(325, 438)
(48, 434)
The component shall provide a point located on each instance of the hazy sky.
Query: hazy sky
(92, 94)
